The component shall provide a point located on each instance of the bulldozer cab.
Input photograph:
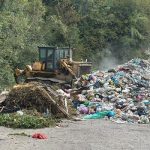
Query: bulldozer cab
(50, 56)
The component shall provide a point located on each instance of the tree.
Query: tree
(61, 24)
(131, 25)
(19, 34)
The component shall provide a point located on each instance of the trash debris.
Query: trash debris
(20, 112)
(40, 97)
(39, 136)
(35, 135)
(97, 115)
(121, 93)
(3, 95)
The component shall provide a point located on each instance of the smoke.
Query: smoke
(108, 62)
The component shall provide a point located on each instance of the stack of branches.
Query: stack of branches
(35, 96)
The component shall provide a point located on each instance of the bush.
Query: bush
(25, 121)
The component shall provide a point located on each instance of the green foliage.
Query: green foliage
(20, 28)
(61, 24)
(6, 72)
(25, 121)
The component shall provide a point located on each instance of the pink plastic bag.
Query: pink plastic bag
(39, 136)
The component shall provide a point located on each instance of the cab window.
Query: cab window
(42, 54)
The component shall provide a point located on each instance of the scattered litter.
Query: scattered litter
(3, 95)
(35, 135)
(39, 136)
(19, 112)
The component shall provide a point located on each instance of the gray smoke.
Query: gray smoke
(108, 62)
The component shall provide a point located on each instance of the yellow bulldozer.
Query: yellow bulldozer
(55, 65)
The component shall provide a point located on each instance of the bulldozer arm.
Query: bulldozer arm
(64, 63)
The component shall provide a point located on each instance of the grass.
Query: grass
(20, 134)
(26, 121)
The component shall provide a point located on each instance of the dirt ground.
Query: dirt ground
(82, 135)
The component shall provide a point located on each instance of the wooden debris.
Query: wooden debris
(35, 96)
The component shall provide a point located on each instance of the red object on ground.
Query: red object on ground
(39, 136)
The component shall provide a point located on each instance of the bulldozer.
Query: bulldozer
(55, 65)
(38, 84)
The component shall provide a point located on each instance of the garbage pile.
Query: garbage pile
(122, 93)
(38, 96)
